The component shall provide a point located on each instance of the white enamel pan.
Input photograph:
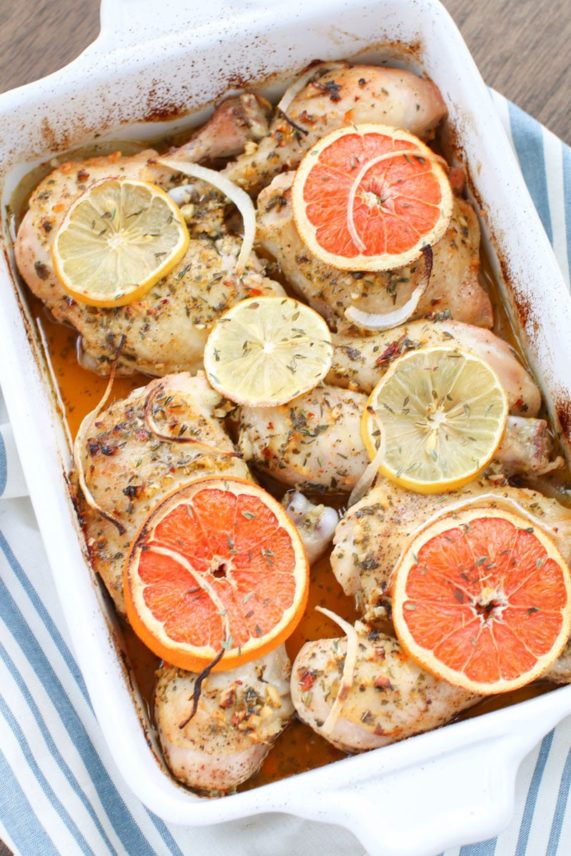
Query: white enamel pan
(159, 61)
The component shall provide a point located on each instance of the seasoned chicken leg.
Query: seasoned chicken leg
(313, 442)
(371, 536)
(128, 468)
(240, 714)
(166, 330)
(337, 97)
(359, 362)
(385, 697)
(453, 287)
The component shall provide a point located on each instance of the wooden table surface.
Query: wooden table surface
(520, 46)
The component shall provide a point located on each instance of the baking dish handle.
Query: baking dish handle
(461, 796)
(130, 23)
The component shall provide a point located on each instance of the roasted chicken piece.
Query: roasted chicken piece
(369, 538)
(359, 362)
(129, 468)
(453, 289)
(239, 715)
(313, 442)
(380, 697)
(141, 448)
(337, 95)
(166, 330)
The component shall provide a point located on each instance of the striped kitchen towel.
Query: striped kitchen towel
(60, 792)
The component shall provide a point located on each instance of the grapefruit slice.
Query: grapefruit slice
(370, 198)
(482, 599)
(217, 566)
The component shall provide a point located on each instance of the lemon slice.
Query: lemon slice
(117, 240)
(267, 350)
(435, 419)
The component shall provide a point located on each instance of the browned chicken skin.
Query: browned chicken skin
(453, 290)
(358, 94)
(166, 330)
(370, 537)
(240, 714)
(384, 698)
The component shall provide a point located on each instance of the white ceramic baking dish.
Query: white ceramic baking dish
(157, 60)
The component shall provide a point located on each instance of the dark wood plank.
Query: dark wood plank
(521, 46)
(522, 49)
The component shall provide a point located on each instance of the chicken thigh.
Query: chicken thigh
(453, 287)
(165, 331)
(128, 467)
(239, 716)
(337, 95)
(313, 442)
(370, 537)
(380, 697)
(359, 362)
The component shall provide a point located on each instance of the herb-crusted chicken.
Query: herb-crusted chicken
(382, 697)
(165, 331)
(453, 290)
(239, 715)
(370, 537)
(129, 468)
(331, 99)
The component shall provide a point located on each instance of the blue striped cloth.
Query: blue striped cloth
(60, 791)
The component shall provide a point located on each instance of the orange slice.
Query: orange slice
(482, 599)
(217, 566)
(370, 198)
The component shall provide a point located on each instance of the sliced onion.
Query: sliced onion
(238, 196)
(387, 320)
(316, 71)
(79, 446)
(365, 480)
(348, 668)
(156, 388)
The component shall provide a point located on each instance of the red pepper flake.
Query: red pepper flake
(391, 351)
(382, 683)
(305, 679)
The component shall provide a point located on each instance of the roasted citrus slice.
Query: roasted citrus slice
(435, 419)
(117, 240)
(267, 350)
(370, 197)
(482, 599)
(217, 566)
